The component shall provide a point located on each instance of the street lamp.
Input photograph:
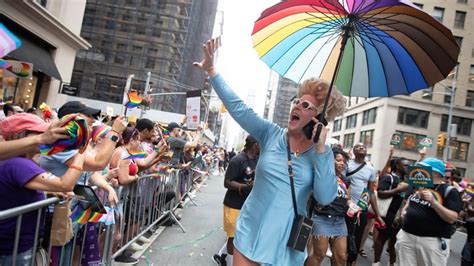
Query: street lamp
(451, 92)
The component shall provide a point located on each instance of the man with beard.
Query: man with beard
(391, 186)
(362, 176)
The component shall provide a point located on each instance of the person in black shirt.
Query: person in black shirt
(238, 180)
(329, 225)
(391, 186)
(427, 221)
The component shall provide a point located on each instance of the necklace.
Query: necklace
(296, 153)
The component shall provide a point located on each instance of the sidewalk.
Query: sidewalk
(204, 235)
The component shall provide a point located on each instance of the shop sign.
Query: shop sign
(18, 69)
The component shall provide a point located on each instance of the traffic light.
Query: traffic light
(441, 140)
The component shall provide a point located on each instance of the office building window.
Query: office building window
(470, 99)
(462, 1)
(150, 63)
(137, 49)
(464, 124)
(119, 58)
(348, 140)
(337, 125)
(369, 116)
(447, 98)
(459, 151)
(367, 137)
(110, 25)
(438, 13)
(471, 74)
(409, 141)
(413, 117)
(419, 5)
(121, 46)
(459, 19)
(337, 137)
(458, 40)
(351, 121)
(135, 60)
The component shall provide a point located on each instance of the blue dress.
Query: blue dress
(265, 220)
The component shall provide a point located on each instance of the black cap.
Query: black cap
(78, 107)
(173, 125)
(249, 140)
(144, 123)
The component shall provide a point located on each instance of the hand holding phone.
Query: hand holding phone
(308, 129)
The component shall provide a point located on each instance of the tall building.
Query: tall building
(279, 95)
(49, 32)
(137, 36)
(422, 114)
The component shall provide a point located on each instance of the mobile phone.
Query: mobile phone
(308, 129)
(87, 194)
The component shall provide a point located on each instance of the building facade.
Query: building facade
(49, 31)
(136, 36)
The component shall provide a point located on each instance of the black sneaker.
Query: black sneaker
(127, 260)
(220, 260)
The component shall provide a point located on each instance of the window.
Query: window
(459, 19)
(447, 97)
(124, 28)
(458, 151)
(119, 59)
(150, 63)
(458, 40)
(140, 30)
(137, 48)
(43, 3)
(462, 171)
(110, 25)
(121, 46)
(369, 116)
(135, 61)
(337, 137)
(413, 117)
(464, 124)
(427, 94)
(438, 13)
(156, 33)
(152, 50)
(351, 121)
(462, 1)
(367, 137)
(419, 5)
(409, 141)
(337, 125)
(88, 21)
(348, 140)
(471, 74)
(470, 99)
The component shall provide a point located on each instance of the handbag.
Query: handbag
(61, 227)
(302, 225)
(383, 204)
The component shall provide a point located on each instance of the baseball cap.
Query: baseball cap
(249, 140)
(21, 122)
(436, 164)
(73, 107)
(173, 125)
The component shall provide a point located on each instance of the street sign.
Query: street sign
(396, 138)
(69, 90)
(420, 176)
(426, 142)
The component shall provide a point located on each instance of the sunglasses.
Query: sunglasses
(304, 103)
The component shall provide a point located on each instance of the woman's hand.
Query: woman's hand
(112, 196)
(321, 144)
(207, 64)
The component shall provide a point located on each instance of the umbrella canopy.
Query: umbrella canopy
(376, 47)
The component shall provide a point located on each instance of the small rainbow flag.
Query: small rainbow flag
(3, 64)
(164, 132)
(136, 155)
(100, 131)
(79, 215)
(8, 41)
(95, 217)
(134, 100)
(469, 190)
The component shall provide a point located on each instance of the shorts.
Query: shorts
(331, 226)
(230, 220)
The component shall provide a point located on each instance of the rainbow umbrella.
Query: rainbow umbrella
(367, 48)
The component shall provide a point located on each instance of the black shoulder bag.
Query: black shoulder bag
(356, 170)
(302, 225)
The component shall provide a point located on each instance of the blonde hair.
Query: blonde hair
(319, 89)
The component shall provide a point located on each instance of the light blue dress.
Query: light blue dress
(265, 220)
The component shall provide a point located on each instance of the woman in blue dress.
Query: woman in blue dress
(265, 221)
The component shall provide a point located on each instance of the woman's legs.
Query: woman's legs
(320, 246)
(339, 251)
(241, 260)
(379, 242)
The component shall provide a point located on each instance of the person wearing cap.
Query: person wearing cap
(428, 217)
(23, 182)
(148, 134)
(238, 181)
(179, 145)
(267, 216)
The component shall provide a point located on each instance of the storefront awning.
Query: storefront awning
(39, 56)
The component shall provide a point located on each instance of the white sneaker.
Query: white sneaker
(135, 247)
(329, 252)
(144, 239)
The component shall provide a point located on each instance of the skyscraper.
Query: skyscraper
(137, 36)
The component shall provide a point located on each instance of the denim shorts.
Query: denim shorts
(332, 226)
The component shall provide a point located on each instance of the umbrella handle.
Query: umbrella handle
(323, 122)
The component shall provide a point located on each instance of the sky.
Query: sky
(237, 60)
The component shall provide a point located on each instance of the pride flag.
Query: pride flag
(8, 41)
(134, 100)
(136, 155)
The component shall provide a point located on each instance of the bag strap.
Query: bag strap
(291, 174)
(446, 192)
(356, 170)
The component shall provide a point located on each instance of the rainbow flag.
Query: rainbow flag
(134, 100)
(95, 217)
(8, 41)
(136, 155)
(81, 216)
(100, 131)
(164, 132)
(469, 190)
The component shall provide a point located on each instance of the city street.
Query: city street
(204, 235)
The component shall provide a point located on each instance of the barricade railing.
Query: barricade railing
(143, 206)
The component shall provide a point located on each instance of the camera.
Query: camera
(300, 233)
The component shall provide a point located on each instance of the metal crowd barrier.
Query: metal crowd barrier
(144, 205)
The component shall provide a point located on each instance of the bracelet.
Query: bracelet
(112, 130)
(75, 167)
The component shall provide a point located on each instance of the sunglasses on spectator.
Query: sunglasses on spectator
(304, 103)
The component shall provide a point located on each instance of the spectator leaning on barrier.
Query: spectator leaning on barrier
(427, 221)
(178, 145)
(22, 182)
